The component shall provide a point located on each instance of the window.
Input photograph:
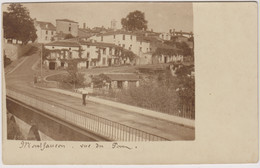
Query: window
(52, 47)
(101, 38)
(140, 49)
(123, 37)
(104, 51)
(104, 61)
(131, 37)
(69, 28)
(87, 54)
(88, 46)
(114, 36)
(46, 31)
(119, 84)
(46, 38)
(69, 48)
(51, 32)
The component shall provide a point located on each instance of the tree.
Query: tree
(186, 50)
(18, 24)
(68, 36)
(134, 21)
(74, 77)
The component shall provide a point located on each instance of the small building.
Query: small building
(45, 31)
(122, 80)
(60, 52)
(87, 54)
(67, 26)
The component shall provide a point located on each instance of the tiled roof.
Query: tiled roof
(123, 77)
(99, 44)
(66, 20)
(45, 25)
(116, 32)
(64, 43)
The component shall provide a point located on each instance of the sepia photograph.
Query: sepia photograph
(75, 75)
(129, 83)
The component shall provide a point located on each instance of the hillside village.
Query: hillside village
(99, 47)
(119, 64)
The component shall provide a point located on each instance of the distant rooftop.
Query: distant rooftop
(45, 25)
(99, 44)
(64, 43)
(66, 20)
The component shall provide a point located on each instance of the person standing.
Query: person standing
(34, 79)
(84, 95)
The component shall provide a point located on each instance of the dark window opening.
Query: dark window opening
(119, 84)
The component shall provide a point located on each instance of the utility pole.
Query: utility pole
(41, 58)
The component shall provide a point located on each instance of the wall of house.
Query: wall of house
(44, 36)
(67, 27)
(126, 41)
(54, 55)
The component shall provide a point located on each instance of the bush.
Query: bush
(161, 98)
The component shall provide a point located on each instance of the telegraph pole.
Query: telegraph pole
(41, 58)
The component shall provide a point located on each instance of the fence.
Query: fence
(98, 125)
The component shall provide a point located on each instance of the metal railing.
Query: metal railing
(109, 129)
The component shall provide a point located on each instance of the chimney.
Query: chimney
(170, 31)
(84, 25)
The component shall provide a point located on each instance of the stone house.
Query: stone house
(66, 26)
(45, 31)
(88, 54)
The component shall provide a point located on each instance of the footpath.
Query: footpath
(170, 118)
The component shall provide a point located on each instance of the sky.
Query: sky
(160, 16)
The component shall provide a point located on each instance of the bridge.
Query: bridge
(102, 122)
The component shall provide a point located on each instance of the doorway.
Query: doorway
(87, 64)
(52, 65)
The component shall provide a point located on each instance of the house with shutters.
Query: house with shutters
(143, 44)
(45, 31)
(88, 54)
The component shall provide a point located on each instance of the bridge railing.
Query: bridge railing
(104, 127)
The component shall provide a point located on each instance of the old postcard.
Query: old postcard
(129, 83)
